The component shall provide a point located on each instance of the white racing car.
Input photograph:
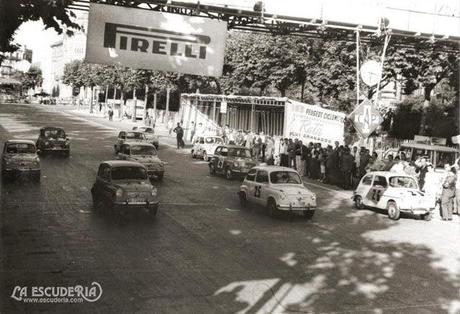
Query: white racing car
(279, 189)
(396, 192)
(205, 146)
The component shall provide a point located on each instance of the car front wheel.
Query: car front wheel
(272, 209)
(212, 169)
(393, 211)
(358, 202)
(229, 174)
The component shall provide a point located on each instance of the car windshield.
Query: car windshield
(20, 148)
(143, 150)
(211, 140)
(135, 135)
(147, 130)
(239, 152)
(129, 173)
(403, 182)
(54, 133)
(279, 177)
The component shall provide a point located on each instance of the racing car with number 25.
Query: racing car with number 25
(279, 189)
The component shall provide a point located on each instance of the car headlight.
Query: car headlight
(154, 192)
(119, 193)
(47, 143)
(235, 164)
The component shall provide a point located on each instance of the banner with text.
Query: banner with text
(313, 123)
(161, 41)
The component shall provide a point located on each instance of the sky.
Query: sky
(33, 35)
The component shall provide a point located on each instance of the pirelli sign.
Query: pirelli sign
(161, 41)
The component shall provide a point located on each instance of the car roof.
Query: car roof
(273, 168)
(137, 144)
(233, 146)
(13, 141)
(131, 131)
(122, 163)
(389, 174)
(51, 128)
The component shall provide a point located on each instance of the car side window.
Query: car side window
(224, 151)
(251, 176)
(122, 135)
(217, 152)
(367, 180)
(106, 174)
(381, 181)
(262, 176)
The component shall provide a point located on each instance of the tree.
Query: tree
(424, 68)
(53, 13)
(30, 79)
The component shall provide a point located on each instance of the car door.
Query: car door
(364, 188)
(221, 159)
(378, 188)
(249, 181)
(105, 184)
(260, 187)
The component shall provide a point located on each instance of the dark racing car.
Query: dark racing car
(53, 140)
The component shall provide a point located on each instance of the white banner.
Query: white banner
(313, 123)
(146, 39)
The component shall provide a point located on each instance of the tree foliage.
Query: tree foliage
(53, 13)
(30, 79)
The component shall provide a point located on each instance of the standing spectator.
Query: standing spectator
(291, 153)
(315, 165)
(346, 167)
(322, 164)
(363, 161)
(192, 131)
(422, 169)
(330, 164)
(298, 156)
(448, 193)
(457, 189)
(110, 114)
(263, 147)
(308, 157)
(257, 147)
(179, 136)
(284, 153)
(304, 156)
(269, 150)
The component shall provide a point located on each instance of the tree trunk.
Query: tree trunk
(168, 91)
(134, 111)
(91, 100)
(427, 94)
(302, 91)
(283, 92)
(122, 104)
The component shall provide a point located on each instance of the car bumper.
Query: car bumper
(240, 172)
(135, 206)
(55, 149)
(22, 170)
(416, 211)
(297, 207)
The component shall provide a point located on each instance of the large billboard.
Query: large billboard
(146, 39)
(313, 123)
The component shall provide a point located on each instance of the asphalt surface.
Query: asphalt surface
(203, 253)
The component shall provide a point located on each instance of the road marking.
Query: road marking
(232, 210)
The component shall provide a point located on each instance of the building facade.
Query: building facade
(9, 65)
(66, 49)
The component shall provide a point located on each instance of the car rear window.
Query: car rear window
(129, 173)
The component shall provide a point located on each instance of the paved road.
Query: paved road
(203, 254)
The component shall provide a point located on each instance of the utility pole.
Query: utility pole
(134, 111)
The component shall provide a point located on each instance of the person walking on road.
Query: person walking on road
(110, 114)
(179, 136)
(448, 193)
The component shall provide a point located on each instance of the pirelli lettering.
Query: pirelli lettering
(156, 41)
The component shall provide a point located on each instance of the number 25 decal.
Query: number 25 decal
(257, 191)
(376, 195)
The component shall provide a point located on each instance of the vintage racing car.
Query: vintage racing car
(394, 191)
(231, 161)
(129, 136)
(279, 189)
(123, 187)
(53, 139)
(149, 134)
(20, 157)
(145, 154)
(205, 146)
